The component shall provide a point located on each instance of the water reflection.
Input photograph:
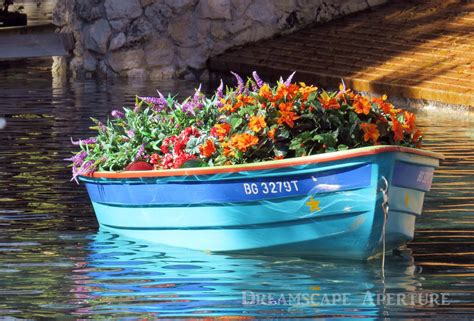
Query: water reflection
(122, 275)
(54, 263)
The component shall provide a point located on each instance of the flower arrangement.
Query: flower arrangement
(251, 122)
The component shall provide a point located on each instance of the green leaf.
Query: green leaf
(194, 163)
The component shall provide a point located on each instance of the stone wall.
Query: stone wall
(162, 39)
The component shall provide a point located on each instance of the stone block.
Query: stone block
(167, 72)
(159, 51)
(118, 9)
(89, 10)
(139, 30)
(97, 35)
(158, 14)
(180, 6)
(214, 9)
(183, 31)
(119, 25)
(117, 41)
(262, 11)
(126, 59)
(239, 7)
(90, 62)
(137, 74)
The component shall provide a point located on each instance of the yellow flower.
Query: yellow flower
(257, 123)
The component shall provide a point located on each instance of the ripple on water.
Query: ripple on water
(54, 262)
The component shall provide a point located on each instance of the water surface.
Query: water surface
(54, 262)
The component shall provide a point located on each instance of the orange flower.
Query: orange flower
(416, 136)
(361, 105)
(228, 152)
(257, 123)
(246, 100)
(271, 133)
(286, 107)
(328, 102)
(220, 131)
(305, 91)
(371, 132)
(287, 92)
(278, 157)
(410, 120)
(397, 129)
(386, 107)
(243, 141)
(287, 117)
(266, 92)
(207, 149)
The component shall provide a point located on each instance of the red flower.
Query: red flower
(208, 148)
(155, 159)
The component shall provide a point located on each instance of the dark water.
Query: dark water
(55, 263)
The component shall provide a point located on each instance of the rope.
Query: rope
(384, 190)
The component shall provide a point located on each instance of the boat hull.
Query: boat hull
(330, 208)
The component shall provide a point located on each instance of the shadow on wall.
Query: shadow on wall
(399, 46)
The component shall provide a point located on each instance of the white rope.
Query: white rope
(384, 191)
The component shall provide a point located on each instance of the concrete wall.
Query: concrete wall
(162, 39)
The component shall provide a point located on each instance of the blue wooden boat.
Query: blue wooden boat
(323, 205)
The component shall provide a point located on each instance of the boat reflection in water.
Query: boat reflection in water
(128, 276)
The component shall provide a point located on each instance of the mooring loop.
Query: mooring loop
(385, 207)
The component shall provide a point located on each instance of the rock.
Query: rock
(238, 25)
(138, 73)
(126, 59)
(63, 12)
(158, 14)
(180, 6)
(119, 25)
(159, 51)
(97, 35)
(105, 70)
(239, 7)
(162, 73)
(286, 5)
(256, 32)
(218, 29)
(145, 3)
(89, 10)
(183, 31)
(90, 63)
(118, 9)
(214, 9)
(59, 67)
(262, 11)
(117, 42)
(139, 30)
(194, 57)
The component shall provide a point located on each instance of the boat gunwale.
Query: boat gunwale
(274, 164)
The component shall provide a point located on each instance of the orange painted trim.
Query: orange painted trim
(297, 161)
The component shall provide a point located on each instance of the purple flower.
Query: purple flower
(288, 80)
(240, 82)
(192, 104)
(102, 127)
(77, 159)
(130, 133)
(254, 87)
(140, 152)
(157, 103)
(86, 168)
(88, 141)
(220, 91)
(257, 79)
(117, 114)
